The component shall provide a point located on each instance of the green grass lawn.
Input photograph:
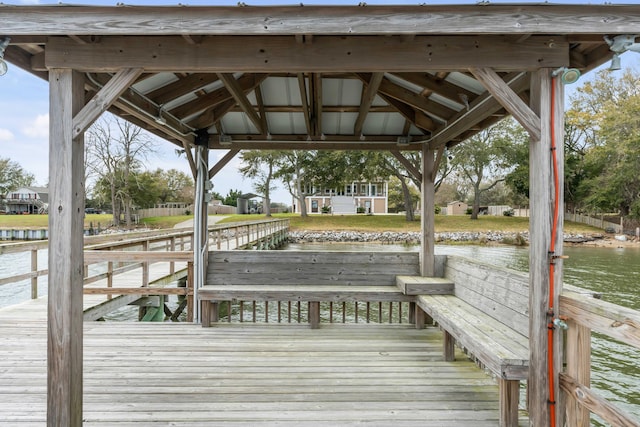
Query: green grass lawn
(375, 223)
(371, 223)
(42, 221)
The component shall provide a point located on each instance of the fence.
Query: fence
(212, 210)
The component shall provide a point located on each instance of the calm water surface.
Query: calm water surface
(613, 272)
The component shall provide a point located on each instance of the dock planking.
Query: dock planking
(180, 374)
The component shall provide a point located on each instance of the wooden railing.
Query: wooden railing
(585, 314)
(264, 234)
(393, 312)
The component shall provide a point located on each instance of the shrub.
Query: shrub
(508, 212)
(360, 209)
(326, 209)
(438, 209)
(469, 211)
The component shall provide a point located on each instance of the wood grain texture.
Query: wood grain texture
(427, 219)
(430, 19)
(509, 100)
(227, 54)
(66, 214)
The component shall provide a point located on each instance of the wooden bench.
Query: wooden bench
(487, 314)
(311, 276)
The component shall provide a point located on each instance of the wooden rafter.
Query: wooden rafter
(317, 104)
(305, 103)
(482, 108)
(261, 109)
(181, 87)
(440, 86)
(208, 100)
(433, 109)
(105, 97)
(223, 162)
(238, 94)
(368, 96)
(510, 100)
(407, 165)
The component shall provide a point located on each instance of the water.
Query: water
(613, 272)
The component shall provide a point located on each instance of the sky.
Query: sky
(24, 105)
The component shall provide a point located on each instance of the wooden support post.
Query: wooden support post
(541, 185)
(66, 212)
(314, 314)
(578, 367)
(420, 318)
(145, 266)
(509, 397)
(172, 248)
(448, 346)
(427, 214)
(190, 291)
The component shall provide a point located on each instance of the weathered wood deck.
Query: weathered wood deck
(181, 374)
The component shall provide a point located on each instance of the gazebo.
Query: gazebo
(392, 78)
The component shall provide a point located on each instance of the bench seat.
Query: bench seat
(501, 349)
(210, 295)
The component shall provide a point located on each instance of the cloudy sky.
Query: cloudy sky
(24, 108)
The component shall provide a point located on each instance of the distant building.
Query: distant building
(28, 200)
(457, 208)
(356, 197)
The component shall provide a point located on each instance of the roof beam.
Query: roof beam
(306, 142)
(480, 109)
(432, 19)
(416, 117)
(367, 99)
(223, 162)
(246, 83)
(509, 100)
(105, 97)
(302, 85)
(181, 87)
(238, 94)
(226, 54)
(407, 164)
(316, 118)
(441, 87)
(415, 100)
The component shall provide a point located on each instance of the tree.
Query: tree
(117, 149)
(293, 168)
(609, 110)
(260, 166)
(232, 198)
(485, 157)
(13, 176)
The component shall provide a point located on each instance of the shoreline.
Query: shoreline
(489, 237)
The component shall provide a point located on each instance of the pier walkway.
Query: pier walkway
(248, 374)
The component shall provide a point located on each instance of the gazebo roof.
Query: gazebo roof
(361, 77)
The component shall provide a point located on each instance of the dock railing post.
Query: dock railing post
(34, 271)
(579, 367)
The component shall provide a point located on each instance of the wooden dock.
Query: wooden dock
(244, 375)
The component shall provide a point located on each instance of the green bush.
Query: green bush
(438, 209)
(508, 212)
(469, 211)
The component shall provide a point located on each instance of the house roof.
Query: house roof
(334, 77)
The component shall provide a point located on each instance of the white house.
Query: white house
(28, 200)
(352, 198)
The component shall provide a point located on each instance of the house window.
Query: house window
(374, 190)
(349, 189)
(363, 189)
(314, 206)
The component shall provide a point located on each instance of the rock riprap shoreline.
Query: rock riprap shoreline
(413, 237)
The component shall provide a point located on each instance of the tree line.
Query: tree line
(601, 145)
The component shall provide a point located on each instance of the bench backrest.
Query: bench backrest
(499, 292)
(310, 267)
